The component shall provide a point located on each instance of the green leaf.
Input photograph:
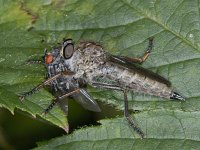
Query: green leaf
(123, 26)
(17, 46)
(163, 129)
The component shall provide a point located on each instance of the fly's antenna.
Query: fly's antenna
(45, 51)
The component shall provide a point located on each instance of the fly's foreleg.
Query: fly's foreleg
(39, 87)
(54, 102)
(46, 82)
(145, 56)
(129, 119)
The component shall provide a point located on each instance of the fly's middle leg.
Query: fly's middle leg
(106, 86)
(129, 119)
(145, 55)
(54, 102)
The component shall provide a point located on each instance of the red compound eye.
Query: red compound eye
(48, 59)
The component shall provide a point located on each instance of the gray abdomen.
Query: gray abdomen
(134, 80)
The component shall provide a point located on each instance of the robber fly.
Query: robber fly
(70, 66)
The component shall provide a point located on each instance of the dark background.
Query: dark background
(21, 131)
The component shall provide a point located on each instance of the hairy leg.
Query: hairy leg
(39, 87)
(54, 102)
(145, 55)
(126, 113)
(129, 119)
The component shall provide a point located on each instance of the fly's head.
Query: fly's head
(51, 57)
(69, 55)
(52, 61)
(59, 54)
(67, 50)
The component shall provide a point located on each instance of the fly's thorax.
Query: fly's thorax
(91, 52)
(90, 57)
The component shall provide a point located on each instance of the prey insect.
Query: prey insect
(70, 66)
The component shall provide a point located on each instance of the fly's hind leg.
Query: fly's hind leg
(39, 87)
(126, 113)
(54, 102)
(129, 119)
(145, 55)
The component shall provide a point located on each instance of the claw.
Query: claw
(21, 97)
(44, 113)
